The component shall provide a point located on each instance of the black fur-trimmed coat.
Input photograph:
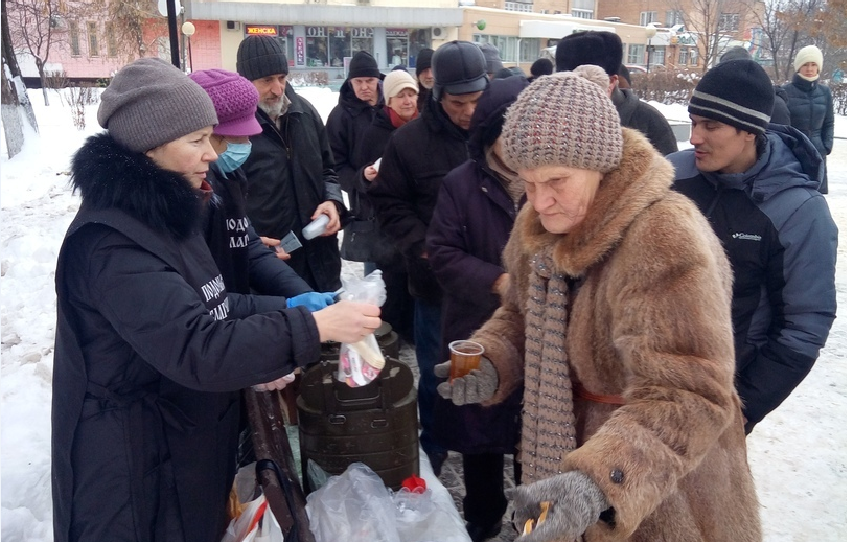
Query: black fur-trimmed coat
(149, 350)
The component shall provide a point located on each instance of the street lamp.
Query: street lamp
(650, 31)
(187, 31)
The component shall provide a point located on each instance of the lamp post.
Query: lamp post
(650, 31)
(187, 31)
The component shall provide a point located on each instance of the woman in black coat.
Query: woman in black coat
(810, 104)
(151, 348)
(476, 209)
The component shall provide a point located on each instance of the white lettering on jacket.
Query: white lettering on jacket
(213, 288)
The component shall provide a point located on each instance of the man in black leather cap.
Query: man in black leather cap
(404, 194)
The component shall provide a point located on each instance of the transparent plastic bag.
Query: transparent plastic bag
(352, 507)
(360, 362)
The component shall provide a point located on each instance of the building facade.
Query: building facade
(322, 35)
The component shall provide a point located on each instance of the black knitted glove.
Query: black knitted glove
(576, 503)
(476, 387)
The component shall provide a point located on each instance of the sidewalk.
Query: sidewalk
(451, 471)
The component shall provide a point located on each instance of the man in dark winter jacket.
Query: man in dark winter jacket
(417, 158)
(423, 73)
(757, 184)
(605, 49)
(780, 113)
(290, 172)
(358, 101)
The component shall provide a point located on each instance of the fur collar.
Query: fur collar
(642, 178)
(110, 176)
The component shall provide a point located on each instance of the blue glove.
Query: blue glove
(313, 301)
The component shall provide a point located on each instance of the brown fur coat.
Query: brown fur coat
(650, 322)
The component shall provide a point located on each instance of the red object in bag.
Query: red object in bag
(414, 483)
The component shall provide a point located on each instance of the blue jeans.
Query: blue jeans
(427, 351)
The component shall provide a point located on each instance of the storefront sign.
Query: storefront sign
(300, 50)
(362, 32)
(396, 32)
(261, 30)
(316, 31)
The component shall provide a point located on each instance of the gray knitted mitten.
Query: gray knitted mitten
(576, 503)
(476, 387)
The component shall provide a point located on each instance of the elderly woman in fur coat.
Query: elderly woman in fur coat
(617, 323)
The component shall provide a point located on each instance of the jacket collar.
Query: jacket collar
(110, 176)
(642, 178)
(438, 121)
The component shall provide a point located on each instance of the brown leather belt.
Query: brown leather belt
(586, 395)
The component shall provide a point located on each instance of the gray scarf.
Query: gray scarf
(548, 420)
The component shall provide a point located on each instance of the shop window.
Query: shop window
(317, 46)
(285, 35)
(530, 49)
(418, 39)
(397, 46)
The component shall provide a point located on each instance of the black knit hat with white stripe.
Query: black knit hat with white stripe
(738, 93)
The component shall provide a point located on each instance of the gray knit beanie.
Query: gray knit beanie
(563, 120)
(260, 56)
(150, 102)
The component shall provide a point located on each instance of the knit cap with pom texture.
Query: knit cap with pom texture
(563, 120)
(235, 100)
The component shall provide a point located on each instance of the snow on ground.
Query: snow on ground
(797, 454)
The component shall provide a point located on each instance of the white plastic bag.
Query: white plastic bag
(256, 524)
(352, 507)
(360, 362)
(357, 507)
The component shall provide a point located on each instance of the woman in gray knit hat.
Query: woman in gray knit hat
(150, 347)
(617, 323)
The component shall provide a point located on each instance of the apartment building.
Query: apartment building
(685, 27)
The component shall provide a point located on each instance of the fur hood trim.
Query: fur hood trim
(642, 178)
(110, 176)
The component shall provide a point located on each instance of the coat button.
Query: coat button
(616, 476)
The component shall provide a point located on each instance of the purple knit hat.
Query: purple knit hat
(235, 100)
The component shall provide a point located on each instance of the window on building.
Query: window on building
(728, 22)
(285, 36)
(657, 56)
(582, 13)
(111, 39)
(683, 56)
(647, 17)
(73, 36)
(515, 6)
(397, 46)
(673, 18)
(692, 57)
(635, 54)
(419, 38)
(512, 49)
(317, 47)
(93, 44)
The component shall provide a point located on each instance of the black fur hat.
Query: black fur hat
(602, 49)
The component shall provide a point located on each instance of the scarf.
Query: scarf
(548, 432)
(508, 178)
(396, 121)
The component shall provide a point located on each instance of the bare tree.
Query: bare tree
(34, 28)
(12, 93)
(133, 21)
(715, 22)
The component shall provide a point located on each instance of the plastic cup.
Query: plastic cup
(465, 356)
